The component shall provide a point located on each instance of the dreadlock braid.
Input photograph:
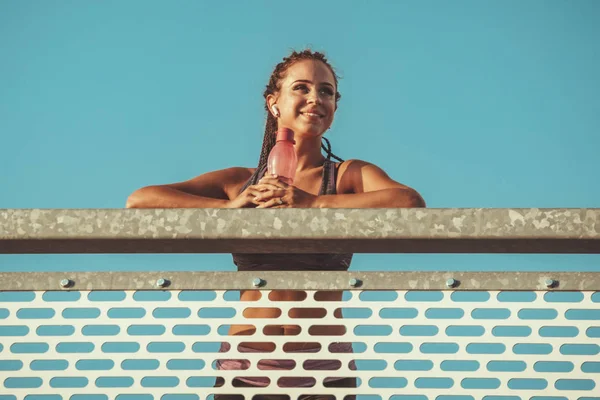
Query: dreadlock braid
(274, 86)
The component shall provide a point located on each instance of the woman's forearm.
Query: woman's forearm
(166, 197)
(385, 198)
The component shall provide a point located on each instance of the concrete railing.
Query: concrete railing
(156, 335)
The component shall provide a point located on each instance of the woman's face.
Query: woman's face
(306, 100)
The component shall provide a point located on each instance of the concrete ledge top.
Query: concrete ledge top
(299, 230)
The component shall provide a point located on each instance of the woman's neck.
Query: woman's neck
(309, 154)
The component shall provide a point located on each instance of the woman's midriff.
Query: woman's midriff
(286, 330)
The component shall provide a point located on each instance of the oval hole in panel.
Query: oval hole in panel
(439, 348)
(185, 364)
(35, 313)
(434, 383)
(49, 365)
(558, 331)
(579, 349)
(197, 295)
(347, 347)
(120, 347)
(287, 295)
(465, 330)
(75, 347)
(81, 313)
(191, 330)
(145, 330)
(202, 382)
(387, 383)
(413, 365)
(322, 365)
(216, 312)
(583, 314)
(16, 297)
(210, 347)
(419, 330)
(301, 312)
(469, 296)
(100, 330)
(563, 297)
(138, 364)
(106, 295)
(241, 330)
(151, 295)
(553, 366)
(373, 330)
(278, 364)
(527, 384)
(516, 297)
(459, 365)
(165, 347)
(490, 313)
(126, 312)
(61, 296)
(256, 347)
(332, 295)
(537, 313)
(55, 330)
(511, 331)
(171, 312)
(94, 365)
(486, 348)
(398, 313)
(506, 366)
(378, 295)
(532, 348)
(160, 381)
(301, 347)
(393, 347)
(261, 312)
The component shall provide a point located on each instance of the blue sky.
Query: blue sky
(474, 104)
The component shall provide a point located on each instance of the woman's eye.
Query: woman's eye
(302, 87)
(328, 91)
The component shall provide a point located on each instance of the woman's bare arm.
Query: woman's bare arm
(365, 185)
(213, 189)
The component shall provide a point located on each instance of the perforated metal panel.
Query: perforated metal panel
(164, 344)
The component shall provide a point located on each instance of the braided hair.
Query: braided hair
(274, 86)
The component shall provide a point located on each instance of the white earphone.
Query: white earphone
(275, 111)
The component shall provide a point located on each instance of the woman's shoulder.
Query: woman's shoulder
(236, 178)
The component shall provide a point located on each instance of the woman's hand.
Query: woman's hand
(274, 193)
(246, 199)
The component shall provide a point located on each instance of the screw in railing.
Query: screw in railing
(354, 282)
(551, 283)
(257, 282)
(452, 283)
(162, 283)
(65, 283)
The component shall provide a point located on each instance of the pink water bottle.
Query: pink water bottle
(282, 158)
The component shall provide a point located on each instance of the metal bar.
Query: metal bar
(301, 280)
(533, 230)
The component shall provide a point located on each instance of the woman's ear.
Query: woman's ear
(271, 101)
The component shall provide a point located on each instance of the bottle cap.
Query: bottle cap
(285, 134)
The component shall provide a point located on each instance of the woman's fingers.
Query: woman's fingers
(272, 203)
(269, 194)
(265, 186)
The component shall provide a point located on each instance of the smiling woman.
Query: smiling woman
(302, 96)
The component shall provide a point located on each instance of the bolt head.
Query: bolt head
(65, 283)
(257, 282)
(550, 283)
(161, 282)
(353, 282)
(451, 282)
